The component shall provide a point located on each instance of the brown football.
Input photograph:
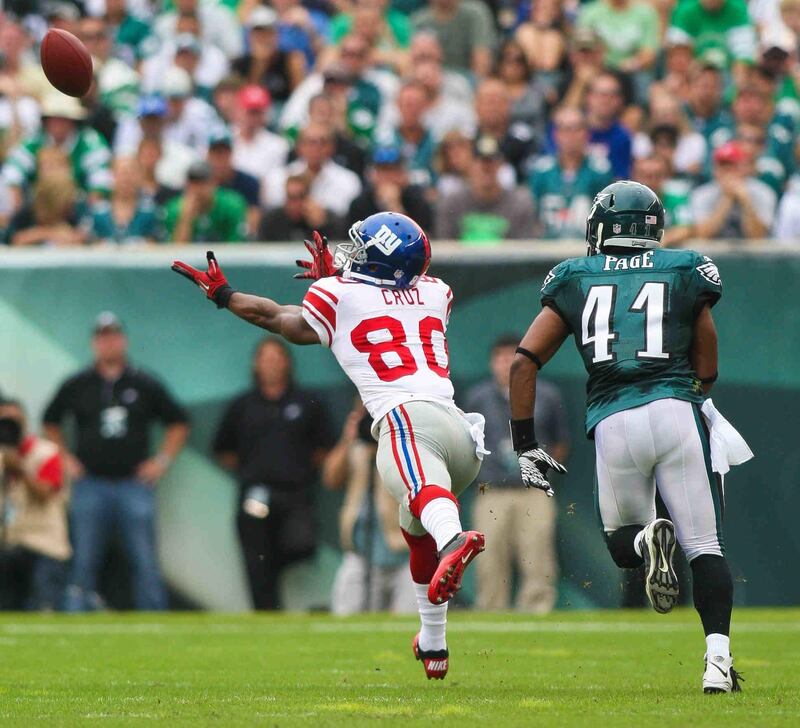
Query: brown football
(66, 62)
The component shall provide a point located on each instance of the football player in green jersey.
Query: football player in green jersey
(641, 318)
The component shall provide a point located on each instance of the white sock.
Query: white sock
(440, 519)
(433, 620)
(638, 542)
(718, 644)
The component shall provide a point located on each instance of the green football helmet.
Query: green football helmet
(625, 215)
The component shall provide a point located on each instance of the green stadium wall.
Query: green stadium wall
(48, 300)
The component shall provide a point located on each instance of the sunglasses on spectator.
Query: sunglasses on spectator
(297, 196)
(570, 127)
(353, 53)
(513, 58)
(752, 139)
(315, 140)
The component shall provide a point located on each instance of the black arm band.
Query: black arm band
(523, 436)
(535, 359)
(711, 379)
(223, 296)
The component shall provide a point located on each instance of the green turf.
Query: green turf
(607, 669)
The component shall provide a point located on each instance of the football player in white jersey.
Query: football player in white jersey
(385, 322)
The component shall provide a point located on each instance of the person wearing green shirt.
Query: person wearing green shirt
(563, 185)
(88, 152)
(722, 25)
(205, 213)
(629, 30)
(397, 22)
(133, 38)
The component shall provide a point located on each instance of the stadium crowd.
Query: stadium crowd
(236, 120)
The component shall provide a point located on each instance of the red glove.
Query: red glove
(321, 263)
(212, 281)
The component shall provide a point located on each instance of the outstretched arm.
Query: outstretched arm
(537, 347)
(287, 321)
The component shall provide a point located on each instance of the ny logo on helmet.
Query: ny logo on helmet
(385, 240)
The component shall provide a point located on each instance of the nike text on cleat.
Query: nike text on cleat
(435, 662)
(661, 582)
(453, 560)
(719, 675)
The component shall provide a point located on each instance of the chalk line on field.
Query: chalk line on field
(365, 627)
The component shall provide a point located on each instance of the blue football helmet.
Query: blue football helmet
(387, 249)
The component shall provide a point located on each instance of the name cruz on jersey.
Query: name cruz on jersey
(632, 317)
(391, 343)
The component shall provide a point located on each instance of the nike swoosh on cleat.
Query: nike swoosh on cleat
(464, 559)
(724, 672)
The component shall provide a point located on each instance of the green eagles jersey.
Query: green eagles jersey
(632, 317)
(563, 200)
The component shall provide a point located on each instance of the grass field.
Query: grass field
(621, 668)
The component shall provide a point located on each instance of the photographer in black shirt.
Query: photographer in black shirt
(273, 438)
(113, 406)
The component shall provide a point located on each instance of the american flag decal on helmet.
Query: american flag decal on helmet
(650, 220)
(709, 271)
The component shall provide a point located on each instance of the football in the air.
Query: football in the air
(66, 62)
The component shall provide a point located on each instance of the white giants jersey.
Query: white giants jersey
(390, 342)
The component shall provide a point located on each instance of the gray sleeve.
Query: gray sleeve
(765, 201)
(523, 218)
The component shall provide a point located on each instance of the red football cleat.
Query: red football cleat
(435, 662)
(453, 560)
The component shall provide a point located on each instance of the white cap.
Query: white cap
(62, 106)
(778, 36)
(262, 17)
(176, 83)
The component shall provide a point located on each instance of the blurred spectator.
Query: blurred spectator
(387, 31)
(331, 112)
(607, 136)
(256, 151)
(388, 188)
(53, 215)
(485, 212)
(426, 48)
(453, 161)
(466, 31)
(690, 148)
(769, 168)
(133, 38)
(528, 96)
(585, 63)
(206, 64)
(675, 194)
(189, 118)
(787, 221)
(412, 136)
(445, 112)
(266, 64)
(675, 80)
(19, 111)
(564, 185)
(629, 31)
(716, 25)
(300, 28)
(113, 406)
(521, 528)
(224, 174)
(163, 161)
(359, 85)
(541, 37)
(273, 438)
(117, 83)
(705, 110)
(130, 216)
(518, 141)
(88, 153)
(19, 63)
(734, 205)
(205, 212)
(226, 99)
(33, 499)
(220, 26)
(298, 217)
(332, 187)
(373, 575)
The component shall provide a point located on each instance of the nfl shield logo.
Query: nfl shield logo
(616, 228)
